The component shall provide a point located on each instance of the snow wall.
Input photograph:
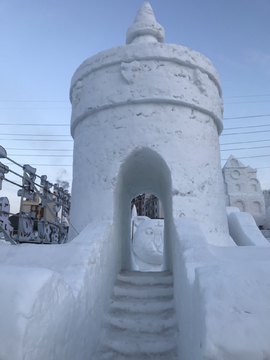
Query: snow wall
(244, 230)
(53, 297)
(221, 297)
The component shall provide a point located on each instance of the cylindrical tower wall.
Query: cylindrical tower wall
(165, 97)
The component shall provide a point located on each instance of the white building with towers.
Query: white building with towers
(243, 189)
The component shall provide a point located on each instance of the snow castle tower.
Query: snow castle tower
(146, 117)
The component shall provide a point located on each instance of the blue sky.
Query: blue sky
(44, 41)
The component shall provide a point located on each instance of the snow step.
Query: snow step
(141, 322)
(134, 306)
(146, 348)
(149, 278)
(113, 355)
(143, 292)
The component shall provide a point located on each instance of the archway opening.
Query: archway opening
(143, 171)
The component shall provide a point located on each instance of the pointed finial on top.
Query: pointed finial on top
(145, 28)
(145, 13)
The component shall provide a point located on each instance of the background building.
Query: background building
(148, 205)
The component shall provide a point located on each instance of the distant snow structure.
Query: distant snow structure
(243, 189)
(268, 218)
(266, 194)
(134, 212)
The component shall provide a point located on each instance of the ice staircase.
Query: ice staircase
(141, 322)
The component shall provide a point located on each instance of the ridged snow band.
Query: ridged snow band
(147, 51)
(162, 101)
(139, 74)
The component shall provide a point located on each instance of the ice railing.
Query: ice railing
(26, 227)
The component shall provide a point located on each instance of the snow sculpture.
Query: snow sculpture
(131, 106)
(243, 189)
(26, 226)
(134, 212)
(3, 170)
(4, 214)
(268, 218)
(147, 95)
(28, 190)
(46, 185)
(147, 243)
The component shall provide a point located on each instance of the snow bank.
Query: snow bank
(189, 251)
(53, 297)
(221, 297)
(244, 230)
(37, 315)
(234, 300)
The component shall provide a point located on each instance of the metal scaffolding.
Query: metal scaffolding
(28, 227)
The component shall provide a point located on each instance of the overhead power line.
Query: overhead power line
(246, 132)
(241, 96)
(249, 157)
(20, 124)
(38, 149)
(36, 108)
(245, 142)
(55, 124)
(35, 101)
(233, 128)
(35, 140)
(59, 165)
(33, 134)
(51, 101)
(246, 117)
(61, 155)
(256, 147)
(50, 155)
(62, 108)
(242, 102)
(246, 127)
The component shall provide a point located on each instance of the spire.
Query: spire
(233, 162)
(145, 28)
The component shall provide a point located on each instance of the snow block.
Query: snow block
(35, 308)
(244, 230)
(233, 302)
(52, 298)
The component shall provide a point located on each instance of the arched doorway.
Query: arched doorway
(143, 171)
